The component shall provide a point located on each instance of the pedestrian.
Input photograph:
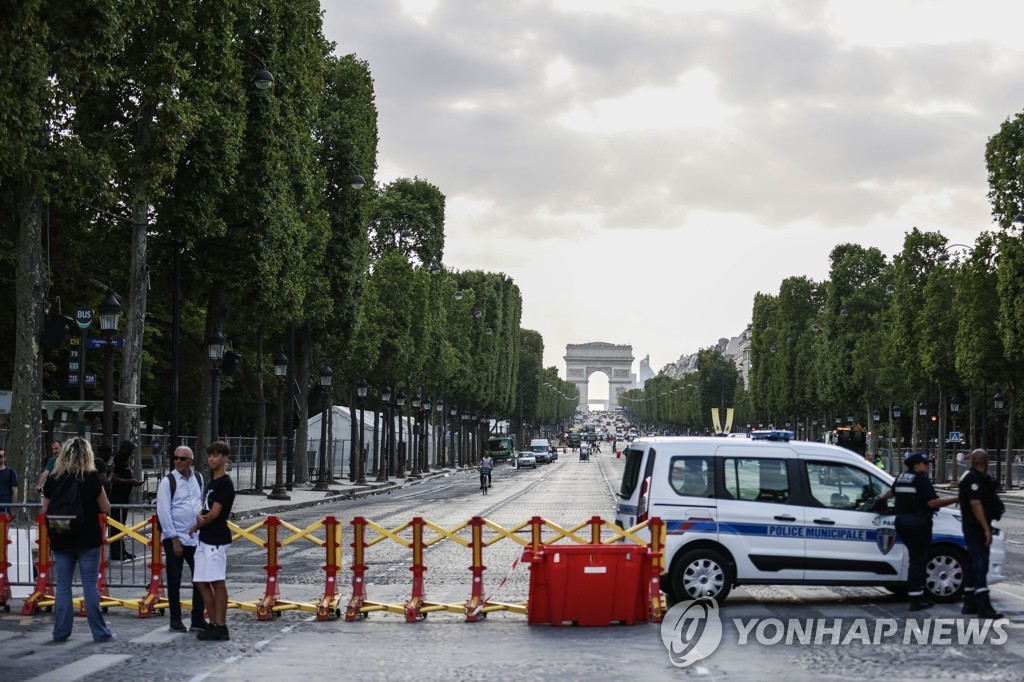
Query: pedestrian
(158, 456)
(75, 469)
(103, 466)
(121, 483)
(179, 500)
(55, 448)
(214, 538)
(916, 501)
(8, 485)
(979, 506)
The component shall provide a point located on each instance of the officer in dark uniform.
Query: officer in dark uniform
(916, 501)
(979, 506)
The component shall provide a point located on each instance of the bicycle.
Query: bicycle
(485, 473)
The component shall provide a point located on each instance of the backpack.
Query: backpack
(64, 515)
(994, 507)
(173, 483)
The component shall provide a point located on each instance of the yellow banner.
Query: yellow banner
(728, 420)
(716, 420)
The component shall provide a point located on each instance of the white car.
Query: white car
(759, 511)
(525, 459)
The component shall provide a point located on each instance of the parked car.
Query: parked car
(525, 459)
(543, 457)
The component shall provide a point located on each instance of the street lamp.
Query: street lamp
(453, 413)
(849, 418)
(110, 319)
(323, 478)
(215, 351)
(439, 439)
(281, 372)
(414, 436)
(425, 418)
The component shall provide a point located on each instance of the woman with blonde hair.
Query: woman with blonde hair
(75, 470)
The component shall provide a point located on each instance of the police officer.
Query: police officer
(979, 506)
(916, 501)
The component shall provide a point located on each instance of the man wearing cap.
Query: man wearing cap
(979, 506)
(916, 501)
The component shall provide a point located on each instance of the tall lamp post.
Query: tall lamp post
(281, 372)
(453, 413)
(922, 412)
(215, 349)
(414, 437)
(954, 409)
(323, 475)
(110, 319)
(400, 454)
(425, 435)
(439, 439)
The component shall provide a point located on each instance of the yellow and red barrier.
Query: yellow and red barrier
(416, 535)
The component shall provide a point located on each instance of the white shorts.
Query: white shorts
(211, 563)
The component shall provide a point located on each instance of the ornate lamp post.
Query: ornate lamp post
(215, 350)
(954, 408)
(922, 412)
(453, 413)
(281, 372)
(110, 319)
(425, 434)
(439, 437)
(324, 476)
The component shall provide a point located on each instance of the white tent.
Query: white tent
(340, 447)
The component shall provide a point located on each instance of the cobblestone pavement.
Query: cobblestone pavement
(442, 646)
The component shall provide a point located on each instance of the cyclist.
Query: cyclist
(486, 464)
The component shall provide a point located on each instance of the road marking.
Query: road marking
(89, 665)
(161, 635)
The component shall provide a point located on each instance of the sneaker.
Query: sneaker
(198, 627)
(178, 626)
(213, 633)
(109, 638)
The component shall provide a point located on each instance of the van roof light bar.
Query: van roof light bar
(772, 434)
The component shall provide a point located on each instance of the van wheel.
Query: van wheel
(702, 573)
(944, 574)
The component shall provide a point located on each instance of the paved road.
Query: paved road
(443, 647)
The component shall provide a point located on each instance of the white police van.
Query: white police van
(757, 511)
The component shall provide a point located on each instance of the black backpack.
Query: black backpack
(994, 507)
(64, 515)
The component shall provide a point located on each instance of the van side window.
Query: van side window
(692, 476)
(841, 486)
(631, 475)
(757, 480)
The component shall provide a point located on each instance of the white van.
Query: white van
(543, 450)
(755, 511)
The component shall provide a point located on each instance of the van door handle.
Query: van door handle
(825, 522)
(785, 518)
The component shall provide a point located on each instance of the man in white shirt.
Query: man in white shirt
(177, 508)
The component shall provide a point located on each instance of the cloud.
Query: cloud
(579, 139)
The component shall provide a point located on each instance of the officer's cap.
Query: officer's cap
(911, 460)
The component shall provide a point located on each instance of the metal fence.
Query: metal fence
(893, 461)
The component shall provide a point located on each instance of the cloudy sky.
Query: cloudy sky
(642, 168)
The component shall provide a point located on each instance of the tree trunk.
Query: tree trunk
(261, 415)
(1008, 463)
(134, 327)
(304, 351)
(30, 289)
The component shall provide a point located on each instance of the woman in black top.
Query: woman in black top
(76, 467)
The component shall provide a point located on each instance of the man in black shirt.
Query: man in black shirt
(122, 480)
(916, 501)
(214, 539)
(978, 503)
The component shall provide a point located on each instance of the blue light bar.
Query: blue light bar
(772, 434)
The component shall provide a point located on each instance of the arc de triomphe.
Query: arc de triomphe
(616, 361)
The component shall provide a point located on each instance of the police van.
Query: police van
(757, 511)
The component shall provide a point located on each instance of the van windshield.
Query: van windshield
(631, 474)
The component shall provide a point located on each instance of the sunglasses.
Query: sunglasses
(181, 459)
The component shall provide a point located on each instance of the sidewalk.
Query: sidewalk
(249, 504)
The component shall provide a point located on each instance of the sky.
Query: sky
(642, 168)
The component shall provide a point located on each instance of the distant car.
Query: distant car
(543, 457)
(525, 459)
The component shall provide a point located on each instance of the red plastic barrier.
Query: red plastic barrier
(588, 585)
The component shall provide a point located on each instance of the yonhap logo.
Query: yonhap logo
(691, 631)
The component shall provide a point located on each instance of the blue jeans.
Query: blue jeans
(88, 561)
